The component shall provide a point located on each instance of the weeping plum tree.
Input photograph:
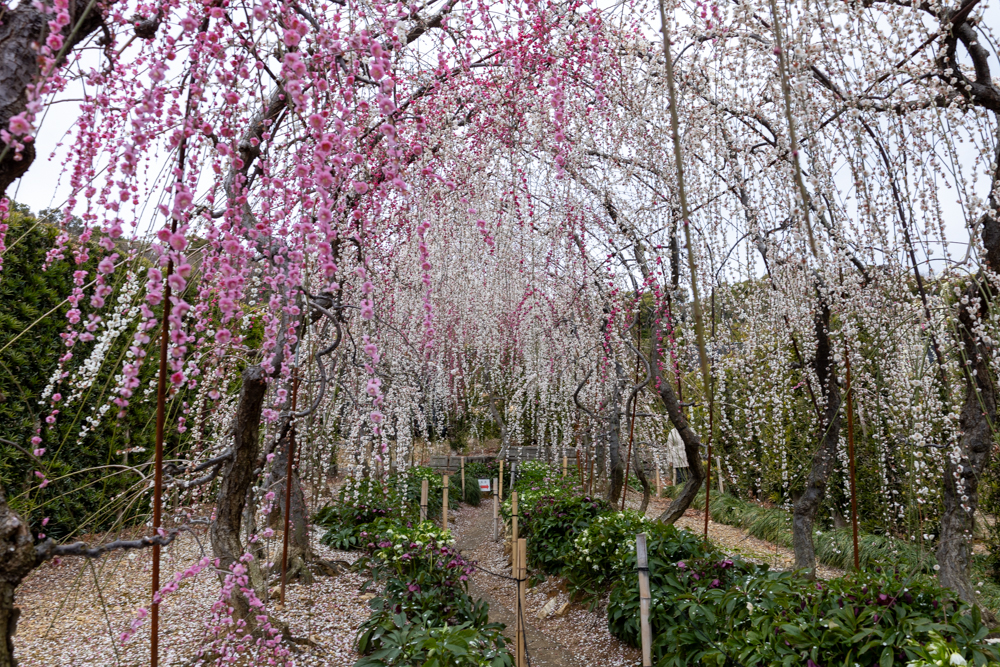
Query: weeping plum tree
(416, 209)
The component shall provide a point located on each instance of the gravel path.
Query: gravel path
(73, 613)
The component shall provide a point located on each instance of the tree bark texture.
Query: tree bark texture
(616, 474)
(298, 540)
(641, 476)
(17, 558)
(237, 479)
(825, 457)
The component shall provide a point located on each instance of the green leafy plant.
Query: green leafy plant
(600, 553)
(360, 503)
(402, 641)
(552, 523)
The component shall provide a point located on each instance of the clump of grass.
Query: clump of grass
(835, 548)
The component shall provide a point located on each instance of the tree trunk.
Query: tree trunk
(641, 475)
(825, 457)
(20, 31)
(17, 559)
(616, 475)
(501, 424)
(961, 479)
(692, 443)
(237, 480)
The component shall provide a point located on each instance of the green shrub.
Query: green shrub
(728, 613)
(600, 553)
(360, 503)
(552, 523)
(404, 642)
(473, 496)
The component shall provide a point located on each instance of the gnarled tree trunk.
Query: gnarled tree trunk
(692, 443)
(237, 481)
(17, 558)
(978, 419)
(298, 540)
(616, 475)
(804, 512)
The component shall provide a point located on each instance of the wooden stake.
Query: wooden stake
(718, 468)
(500, 488)
(659, 486)
(513, 517)
(423, 499)
(463, 479)
(521, 549)
(496, 512)
(444, 503)
(643, 567)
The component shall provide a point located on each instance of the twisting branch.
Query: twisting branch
(576, 395)
(49, 549)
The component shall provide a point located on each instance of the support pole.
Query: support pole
(642, 564)
(565, 464)
(659, 485)
(288, 488)
(496, 512)
(463, 479)
(500, 488)
(423, 499)
(513, 517)
(521, 560)
(444, 503)
(161, 420)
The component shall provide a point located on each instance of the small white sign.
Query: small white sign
(484, 485)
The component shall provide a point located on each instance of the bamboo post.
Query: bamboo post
(642, 564)
(521, 549)
(718, 467)
(500, 488)
(659, 486)
(423, 499)
(444, 503)
(496, 511)
(565, 464)
(673, 474)
(513, 517)
(463, 479)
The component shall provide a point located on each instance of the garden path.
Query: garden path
(577, 638)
